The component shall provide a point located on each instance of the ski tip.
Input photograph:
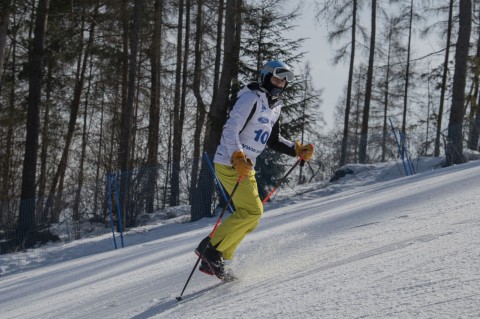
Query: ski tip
(179, 298)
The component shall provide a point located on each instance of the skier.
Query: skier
(252, 123)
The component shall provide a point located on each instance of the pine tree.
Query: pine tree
(26, 218)
(343, 15)
(363, 158)
(201, 205)
(264, 25)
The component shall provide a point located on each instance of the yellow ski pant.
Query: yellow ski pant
(248, 210)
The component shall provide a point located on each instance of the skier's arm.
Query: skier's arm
(236, 122)
(279, 144)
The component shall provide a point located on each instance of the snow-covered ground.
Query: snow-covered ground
(368, 246)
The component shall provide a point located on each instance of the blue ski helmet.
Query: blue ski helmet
(277, 69)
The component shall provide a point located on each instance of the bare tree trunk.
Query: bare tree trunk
(26, 218)
(476, 129)
(385, 99)
(185, 76)
(218, 48)
(153, 125)
(348, 103)
(455, 125)
(76, 202)
(8, 150)
(201, 109)
(127, 112)
(474, 116)
(177, 125)
(444, 81)
(42, 179)
(74, 108)
(368, 90)
(111, 167)
(4, 17)
(235, 85)
(357, 121)
(99, 158)
(169, 157)
(407, 71)
(218, 111)
(76, 205)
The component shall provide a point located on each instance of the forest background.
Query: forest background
(111, 105)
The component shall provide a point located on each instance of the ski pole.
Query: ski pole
(300, 160)
(219, 184)
(210, 236)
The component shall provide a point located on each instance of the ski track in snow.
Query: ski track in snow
(404, 248)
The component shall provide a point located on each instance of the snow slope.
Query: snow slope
(402, 248)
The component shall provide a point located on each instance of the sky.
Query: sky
(372, 245)
(319, 54)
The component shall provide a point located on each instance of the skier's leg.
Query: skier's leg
(248, 211)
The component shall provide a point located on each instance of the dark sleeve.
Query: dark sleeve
(276, 141)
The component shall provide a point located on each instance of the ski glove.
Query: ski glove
(241, 163)
(305, 152)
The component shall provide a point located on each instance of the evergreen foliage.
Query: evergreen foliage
(91, 88)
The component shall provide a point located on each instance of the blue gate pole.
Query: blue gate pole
(119, 208)
(400, 153)
(410, 165)
(109, 196)
(219, 185)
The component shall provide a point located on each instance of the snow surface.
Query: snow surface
(368, 246)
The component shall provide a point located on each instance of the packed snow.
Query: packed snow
(373, 244)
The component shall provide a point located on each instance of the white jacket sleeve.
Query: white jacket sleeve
(236, 121)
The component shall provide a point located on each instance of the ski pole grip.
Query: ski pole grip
(302, 161)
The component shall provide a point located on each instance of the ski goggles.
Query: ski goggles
(283, 73)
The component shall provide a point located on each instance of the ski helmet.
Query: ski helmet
(277, 69)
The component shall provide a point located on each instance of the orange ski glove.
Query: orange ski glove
(241, 163)
(305, 152)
